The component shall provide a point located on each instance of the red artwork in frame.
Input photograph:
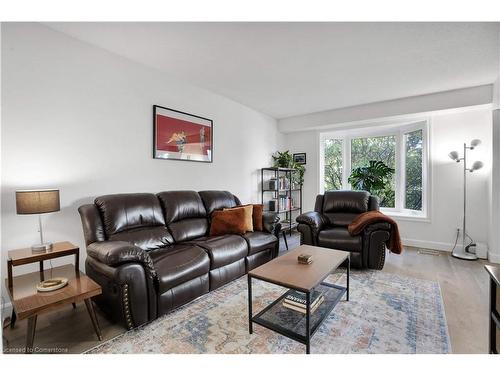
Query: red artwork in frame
(182, 136)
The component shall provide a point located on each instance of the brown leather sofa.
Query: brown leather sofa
(151, 253)
(327, 225)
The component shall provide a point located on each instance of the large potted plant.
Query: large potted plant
(374, 178)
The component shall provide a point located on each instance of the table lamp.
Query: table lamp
(39, 202)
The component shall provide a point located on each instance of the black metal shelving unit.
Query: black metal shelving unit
(289, 190)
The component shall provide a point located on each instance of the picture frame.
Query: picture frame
(182, 136)
(299, 158)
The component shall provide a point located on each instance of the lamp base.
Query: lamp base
(41, 247)
(463, 255)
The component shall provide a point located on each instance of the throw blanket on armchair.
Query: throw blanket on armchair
(372, 217)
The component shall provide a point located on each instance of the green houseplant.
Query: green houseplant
(374, 178)
(285, 160)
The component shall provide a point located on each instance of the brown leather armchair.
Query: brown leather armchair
(152, 253)
(326, 226)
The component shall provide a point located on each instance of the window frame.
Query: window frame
(398, 130)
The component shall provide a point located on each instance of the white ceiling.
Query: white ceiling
(287, 69)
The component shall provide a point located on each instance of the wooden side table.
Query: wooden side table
(28, 303)
(494, 311)
(27, 255)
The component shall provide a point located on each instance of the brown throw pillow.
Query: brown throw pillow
(258, 210)
(248, 216)
(228, 222)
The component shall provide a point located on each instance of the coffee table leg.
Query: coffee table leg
(30, 336)
(348, 272)
(250, 323)
(93, 317)
(308, 322)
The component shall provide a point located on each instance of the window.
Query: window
(333, 164)
(381, 149)
(401, 147)
(413, 170)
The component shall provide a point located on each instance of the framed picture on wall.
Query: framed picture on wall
(181, 136)
(300, 158)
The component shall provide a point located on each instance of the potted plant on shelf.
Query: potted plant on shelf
(285, 160)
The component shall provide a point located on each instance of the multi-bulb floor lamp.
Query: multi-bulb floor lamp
(465, 253)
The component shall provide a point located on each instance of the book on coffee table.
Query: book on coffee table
(303, 309)
(296, 300)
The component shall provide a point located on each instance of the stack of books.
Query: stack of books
(297, 301)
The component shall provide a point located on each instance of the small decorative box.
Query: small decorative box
(305, 259)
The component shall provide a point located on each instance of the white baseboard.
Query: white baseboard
(494, 258)
(441, 246)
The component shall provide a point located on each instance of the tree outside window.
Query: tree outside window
(379, 149)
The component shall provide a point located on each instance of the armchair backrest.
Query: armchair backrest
(342, 206)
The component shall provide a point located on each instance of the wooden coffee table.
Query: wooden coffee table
(285, 271)
(28, 303)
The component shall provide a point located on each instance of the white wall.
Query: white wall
(79, 118)
(448, 131)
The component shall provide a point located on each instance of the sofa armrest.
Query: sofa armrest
(271, 223)
(313, 219)
(377, 226)
(115, 253)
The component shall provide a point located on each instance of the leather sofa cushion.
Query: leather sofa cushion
(340, 239)
(182, 204)
(223, 250)
(340, 218)
(188, 229)
(122, 212)
(185, 214)
(346, 201)
(259, 241)
(217, 200)
(148, 238)
(178, 264)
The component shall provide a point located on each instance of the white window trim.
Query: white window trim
(398, 130)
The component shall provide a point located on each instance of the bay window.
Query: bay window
(402, 147)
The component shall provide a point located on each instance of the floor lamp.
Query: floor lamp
(465, 253)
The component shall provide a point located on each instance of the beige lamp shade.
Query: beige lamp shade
(37, 201)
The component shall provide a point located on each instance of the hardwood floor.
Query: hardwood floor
(464, 286)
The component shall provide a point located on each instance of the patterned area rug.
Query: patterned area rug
(386, 314)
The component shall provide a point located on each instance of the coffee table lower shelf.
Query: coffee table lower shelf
(293, 324)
